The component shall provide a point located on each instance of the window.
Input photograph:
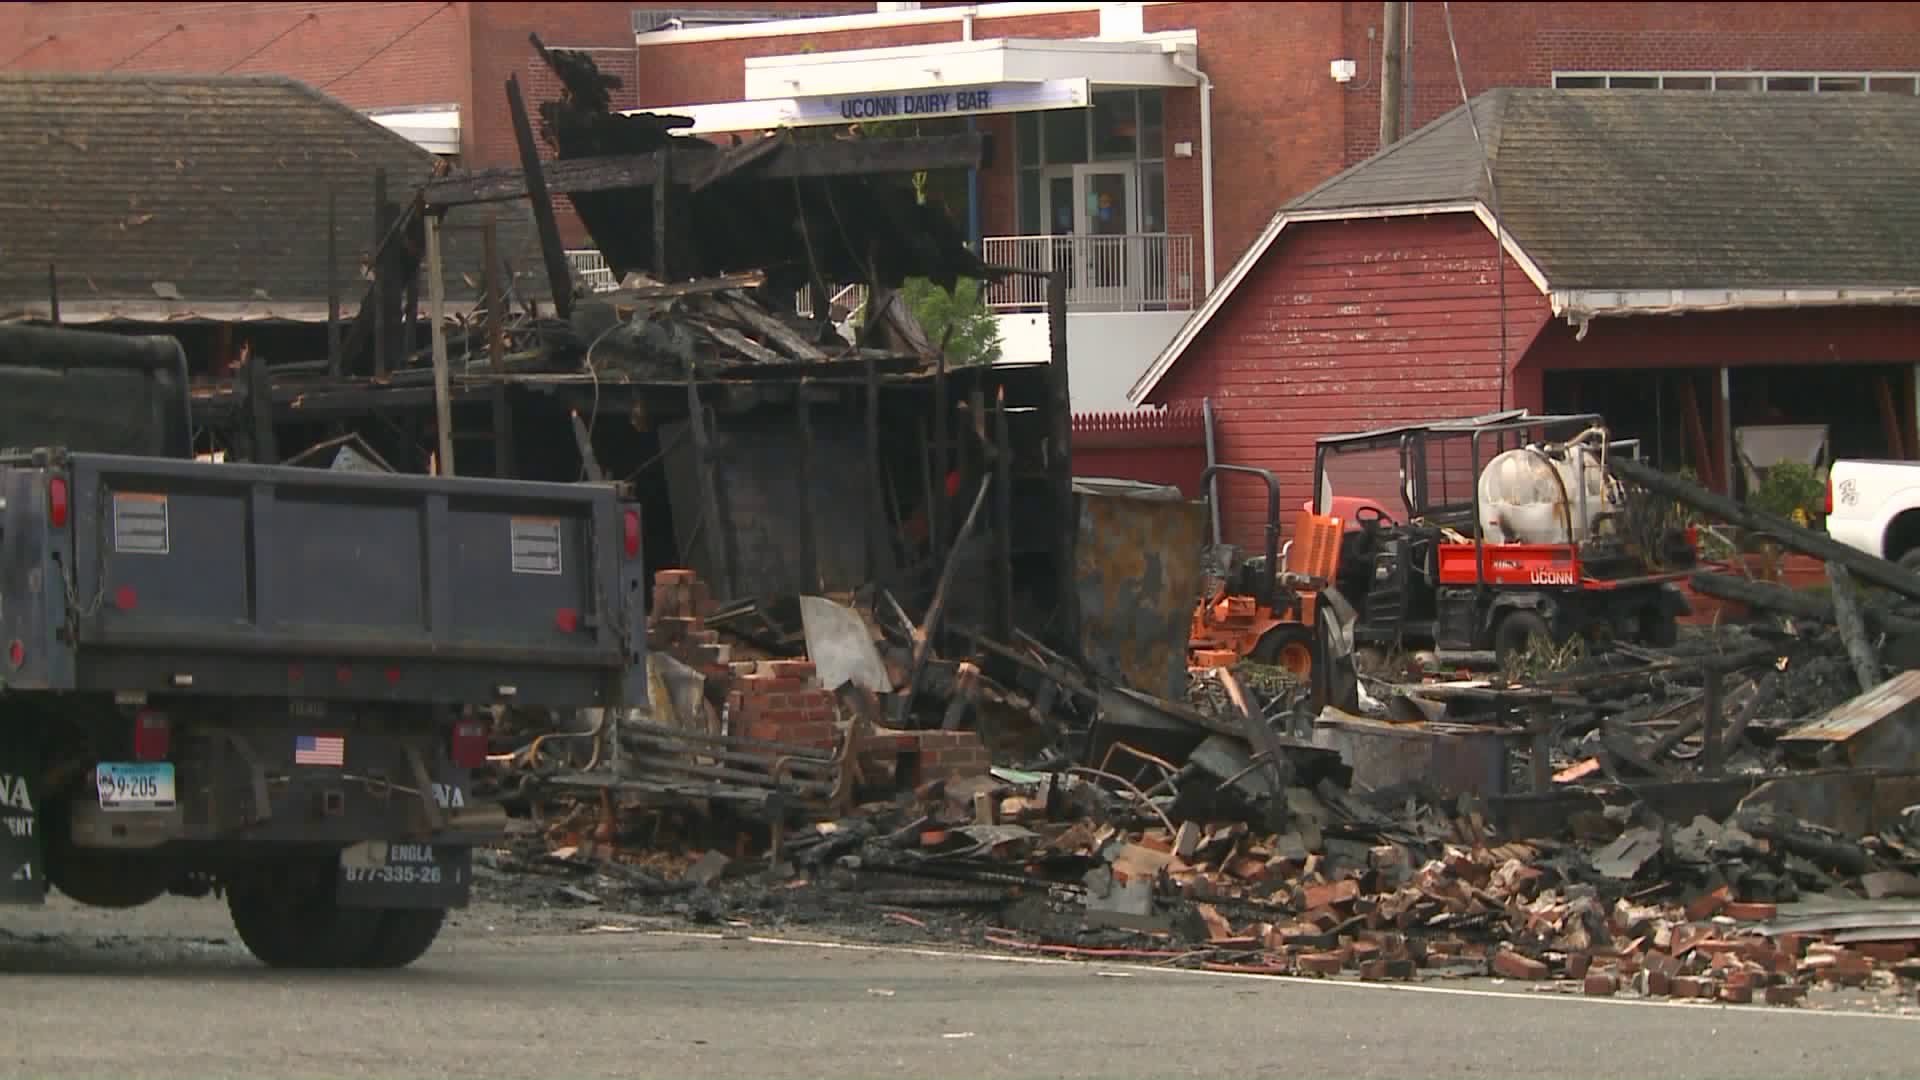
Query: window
(1779, 82)
(1123, 126)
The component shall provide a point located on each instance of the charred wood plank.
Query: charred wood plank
(1853, 628)
(769, 325)
(1771, 597)
(794, 160)
(739, 342)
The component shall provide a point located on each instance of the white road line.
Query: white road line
(1291, 980)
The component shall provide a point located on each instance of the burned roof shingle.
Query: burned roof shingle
(184, 196)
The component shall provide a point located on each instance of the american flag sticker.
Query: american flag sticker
(320, 750)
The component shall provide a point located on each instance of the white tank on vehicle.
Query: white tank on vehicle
(1536, 495)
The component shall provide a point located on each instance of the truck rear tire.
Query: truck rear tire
(1516, 631)
(291, 920)
(404, 935)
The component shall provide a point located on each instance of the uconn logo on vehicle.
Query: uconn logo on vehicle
(1550, 576)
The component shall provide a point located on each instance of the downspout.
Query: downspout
(1206, 165)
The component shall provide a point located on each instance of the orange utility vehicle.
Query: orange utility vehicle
(1264, 608)
(1488, 532)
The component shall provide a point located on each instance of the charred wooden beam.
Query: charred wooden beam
(1789, 535)
(794, 160)
(1060, 463)
(533, 184)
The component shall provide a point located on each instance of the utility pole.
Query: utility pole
(1393, 39)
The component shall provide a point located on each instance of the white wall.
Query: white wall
(1106, 351)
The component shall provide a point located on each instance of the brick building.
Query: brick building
(1731, 279)
(1113, 122)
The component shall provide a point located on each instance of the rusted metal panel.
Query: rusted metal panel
(1138, 577)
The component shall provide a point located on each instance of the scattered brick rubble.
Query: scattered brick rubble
(1380, 886)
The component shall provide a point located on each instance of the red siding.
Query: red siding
(1346, 326)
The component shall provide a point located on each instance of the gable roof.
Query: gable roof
(162, 197)
(1623, 201)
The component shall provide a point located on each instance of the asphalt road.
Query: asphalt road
(166, 992)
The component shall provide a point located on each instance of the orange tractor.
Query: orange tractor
(1263, 609)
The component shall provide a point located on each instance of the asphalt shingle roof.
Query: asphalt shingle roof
(1641, 189)
(139, 188)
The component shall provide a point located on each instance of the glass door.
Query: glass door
(1105, 215)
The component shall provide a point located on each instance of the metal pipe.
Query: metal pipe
(1212, 486)
(1206, 163)
(1273, 521)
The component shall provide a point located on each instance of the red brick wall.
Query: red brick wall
(1347, 326)
(333, 46)
(1524, 44)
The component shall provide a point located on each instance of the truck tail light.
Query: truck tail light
(469, 743)
(152, 735)
(1829, 503)
(57, 501)
(630, 533)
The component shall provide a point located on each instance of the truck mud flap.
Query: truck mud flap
(380, 874)
(23, 878)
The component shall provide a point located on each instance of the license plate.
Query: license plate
(134, 786)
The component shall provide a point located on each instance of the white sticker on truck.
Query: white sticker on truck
(536, 545)
(140, 524)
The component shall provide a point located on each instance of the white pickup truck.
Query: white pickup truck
(1875, 506)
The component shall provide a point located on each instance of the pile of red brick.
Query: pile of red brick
(782, 701)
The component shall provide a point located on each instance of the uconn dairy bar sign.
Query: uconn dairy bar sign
(934, 102)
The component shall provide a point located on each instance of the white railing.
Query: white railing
(1133, 272)
(847, 300)
(590, 269)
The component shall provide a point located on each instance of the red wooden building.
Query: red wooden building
(1691, 266)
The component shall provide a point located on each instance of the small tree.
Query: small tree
(976, 336)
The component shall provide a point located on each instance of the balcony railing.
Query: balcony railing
(1133, 272)
(591, 270)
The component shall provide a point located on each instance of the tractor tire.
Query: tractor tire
(1288, 646)
(404, 935)
(1515, 633)
(291, 920)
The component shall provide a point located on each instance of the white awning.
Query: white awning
(434, 129)
(959, 78)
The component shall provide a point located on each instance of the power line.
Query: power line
(1493, 196)
(271, 42)
(176, 29)
(23, 52)
(397, 40)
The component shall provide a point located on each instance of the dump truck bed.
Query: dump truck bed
(146, 574)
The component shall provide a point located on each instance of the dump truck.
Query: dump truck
(269, 683)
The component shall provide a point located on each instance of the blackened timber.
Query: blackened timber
(1003, 523)
(718, 529)
(809, 552)
(533, 185)
(266, 450)
(662, 234)
(794, 160)
(383, 226)
(1060, 463)
(876, 511)
(937, 510)
(53, 294)
(503, 456)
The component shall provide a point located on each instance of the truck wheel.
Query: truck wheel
(1289, 647)
(1661, 630)
(404, 935)
(290, 920)
(1516, 632)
